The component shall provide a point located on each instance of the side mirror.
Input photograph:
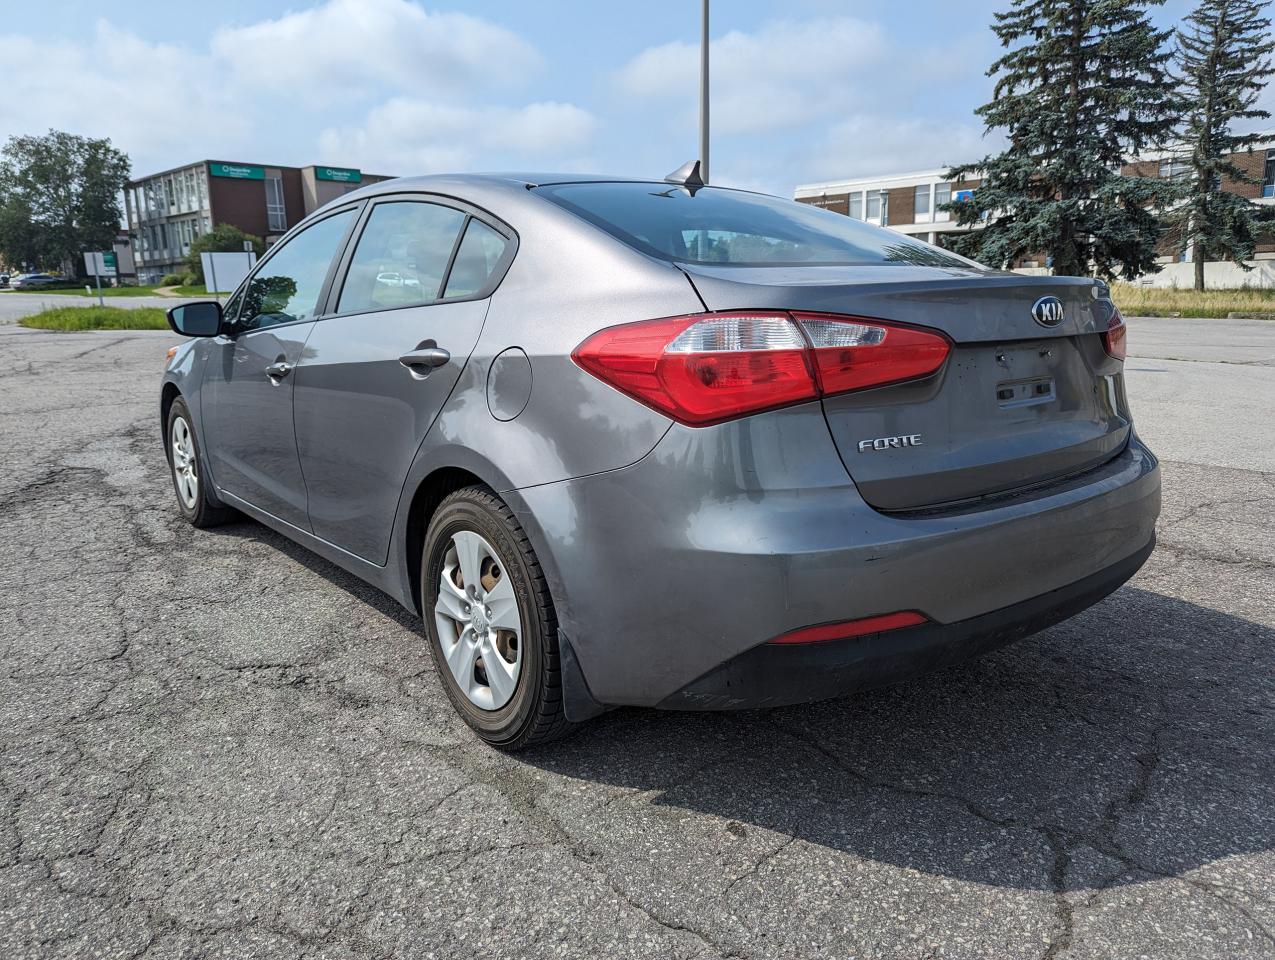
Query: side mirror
(202, 319)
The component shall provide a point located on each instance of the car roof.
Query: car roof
(521, 179)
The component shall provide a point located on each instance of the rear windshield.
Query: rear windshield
(718, 226)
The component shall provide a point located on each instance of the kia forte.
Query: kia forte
(654, 443)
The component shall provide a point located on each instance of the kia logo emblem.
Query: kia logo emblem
(1048, 311)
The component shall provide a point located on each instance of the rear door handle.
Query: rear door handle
(278, 370)
(420, 362)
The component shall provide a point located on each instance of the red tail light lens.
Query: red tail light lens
(1114, 340)
(708, 368)
(851, 354)
(852, 628)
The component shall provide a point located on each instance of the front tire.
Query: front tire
(490, 622)
(185, 466)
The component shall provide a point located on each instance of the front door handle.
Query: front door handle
(420, 362)
(278, 370)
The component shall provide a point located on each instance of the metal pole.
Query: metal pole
(703, 99)
(97, 274)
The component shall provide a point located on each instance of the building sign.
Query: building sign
(960, 196)
(101, 264)
(338, 174)
(237, 171)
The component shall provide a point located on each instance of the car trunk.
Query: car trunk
(1016, 404)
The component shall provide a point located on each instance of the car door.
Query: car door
(247, 394)
(376, 372)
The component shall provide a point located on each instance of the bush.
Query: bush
(189, 280)
(172, 279)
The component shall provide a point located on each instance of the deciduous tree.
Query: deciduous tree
(59, 196)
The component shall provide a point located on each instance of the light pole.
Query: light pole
(703, 98)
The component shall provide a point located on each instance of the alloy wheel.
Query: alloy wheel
(185, 470)
(479, 626)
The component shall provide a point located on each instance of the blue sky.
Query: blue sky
(803, 91)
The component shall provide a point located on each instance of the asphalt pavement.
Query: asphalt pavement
(15, 304)
(217, 744)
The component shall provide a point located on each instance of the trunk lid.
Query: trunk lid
(1017, 403)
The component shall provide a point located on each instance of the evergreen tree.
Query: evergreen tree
(1224, 59)
(1085, 82)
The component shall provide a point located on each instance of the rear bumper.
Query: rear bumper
(772, 675)
(725, 537)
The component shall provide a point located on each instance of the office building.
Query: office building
(168, 210)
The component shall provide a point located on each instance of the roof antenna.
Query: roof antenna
(688, 176)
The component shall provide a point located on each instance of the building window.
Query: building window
(275, 215)
(1268, 176)
(922, 203)
(942, 195)
(876, 206)
(1173, 168)
(856, 206)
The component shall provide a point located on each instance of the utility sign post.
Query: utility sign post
(99, 264)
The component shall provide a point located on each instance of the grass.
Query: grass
(199, 291)
(1136, 301)
(97, 318)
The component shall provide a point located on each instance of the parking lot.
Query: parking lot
(217, 744)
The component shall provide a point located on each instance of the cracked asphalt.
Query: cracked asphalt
(217, 745)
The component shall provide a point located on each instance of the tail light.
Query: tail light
(1114, 340)
(708, 368)
(852, 628)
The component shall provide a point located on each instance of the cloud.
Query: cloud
(869, 145)
(92, 88)
(818, 99)
(786, 74)
(343, 48)
(413, 136)
(399, 89)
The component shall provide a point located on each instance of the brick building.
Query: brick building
(167, 211)
(909, 202)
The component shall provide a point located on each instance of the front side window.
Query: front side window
(480, 251)
(401, 256)
(718, 226)
(287, 286)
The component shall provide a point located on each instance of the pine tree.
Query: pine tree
(1224, 60)
(1085, 82)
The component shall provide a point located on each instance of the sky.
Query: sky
(803, 91)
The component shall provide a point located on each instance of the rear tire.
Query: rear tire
(186, 468)
(508, 614)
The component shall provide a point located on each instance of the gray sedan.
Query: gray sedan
(621, 442)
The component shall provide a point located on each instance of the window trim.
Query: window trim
(231, 323)
(471, 212)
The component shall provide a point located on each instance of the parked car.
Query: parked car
(4, 280)
(32, 281)
(666, 445)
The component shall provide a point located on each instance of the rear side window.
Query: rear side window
(401, 256)
(718, 226)
(480, 251)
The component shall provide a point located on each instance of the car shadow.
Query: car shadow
(1130, 742)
